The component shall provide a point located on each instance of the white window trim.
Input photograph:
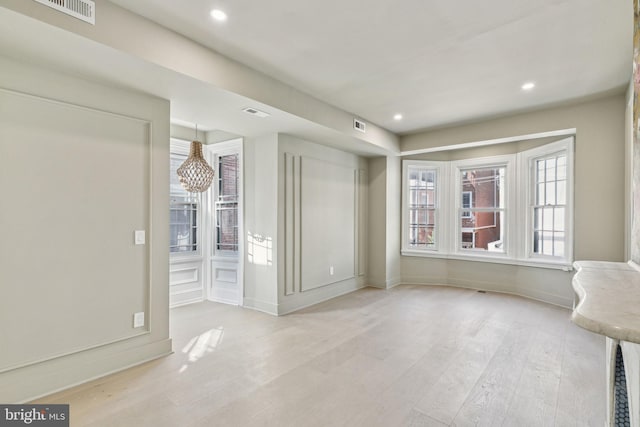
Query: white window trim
(212, 153)
(516, 240)
(455, 232)
(182, 147)
(526, 161)
(441, 169)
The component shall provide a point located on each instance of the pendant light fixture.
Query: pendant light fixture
(195, 174)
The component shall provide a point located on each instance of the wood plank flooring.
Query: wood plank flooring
(409, 356)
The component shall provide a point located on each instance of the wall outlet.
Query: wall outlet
(139, 237)
(331, 270)
(138, 319)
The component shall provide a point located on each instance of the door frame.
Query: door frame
(212, 151)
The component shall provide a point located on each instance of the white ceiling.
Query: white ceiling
(437, 62)
(192, 101)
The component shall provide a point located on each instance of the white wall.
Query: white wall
(81, 167)
(322, 223)
(631, 239)
(393, 208)
(261, 223)
(377, 225)
(599, 225)
(632, 180)
(305, 212)
(384, 223)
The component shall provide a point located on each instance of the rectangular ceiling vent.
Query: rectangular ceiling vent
(81, 9)
(255, 112)
(359, 125)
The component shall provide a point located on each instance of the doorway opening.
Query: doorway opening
(205, 229)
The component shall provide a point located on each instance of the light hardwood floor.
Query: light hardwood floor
(410, 356)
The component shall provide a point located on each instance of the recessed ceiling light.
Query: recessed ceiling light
(397, 117)
(218, 15)
(528, 86)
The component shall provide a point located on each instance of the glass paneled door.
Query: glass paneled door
(225, 275)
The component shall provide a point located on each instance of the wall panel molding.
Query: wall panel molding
(322, 223)
(327, 215)
(54, 114)
(183, 275)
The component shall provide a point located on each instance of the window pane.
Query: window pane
(173, 237)
(175, 162)
(226, 206)
(562, 193)
(484, 232)
(413, 235)
(413, 197)
(183, 211)
(467, 203)
(228, 176)
(549, 210)
(485, 186)
(547, 239)
(422, 207)
(551, 169)
(227, 227)
(430, 178)
(426, 236)
(537, 218)
(183, 225)
(558, 244)
(537, 242)
(550, 198)
(558, 219)
(562, 167)
(431, 217)
(540, 194)
(540, 167)
(422, 197)
(547, 219)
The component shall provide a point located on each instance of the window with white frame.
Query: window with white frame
(422, 199)
(549, 203)
(226, 203)
(514, 208)
(184, 212)
(482, 218)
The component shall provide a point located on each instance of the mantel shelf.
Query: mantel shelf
(609, 299)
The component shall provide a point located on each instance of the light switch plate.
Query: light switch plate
(139, 237)
(138, 319)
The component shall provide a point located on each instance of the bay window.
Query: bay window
(514, 208)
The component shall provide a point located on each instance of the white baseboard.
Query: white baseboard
(258, 305)
(297, 302)
(558, 300)
(40, 380)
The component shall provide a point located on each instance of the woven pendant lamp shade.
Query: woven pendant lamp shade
(195, 174)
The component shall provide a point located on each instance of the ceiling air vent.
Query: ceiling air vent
(255, 112)
(81, 9)
(359, 125)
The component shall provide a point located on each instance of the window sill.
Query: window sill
(497, 259)
(188, 257)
